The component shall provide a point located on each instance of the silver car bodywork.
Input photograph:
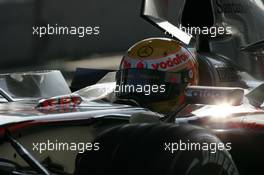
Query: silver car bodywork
(245, 17)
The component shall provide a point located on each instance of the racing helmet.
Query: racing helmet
(155, 72)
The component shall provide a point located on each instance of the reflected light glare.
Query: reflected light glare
(260, 4)
(222, 110)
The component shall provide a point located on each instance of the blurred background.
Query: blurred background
(120, 27)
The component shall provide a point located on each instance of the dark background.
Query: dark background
(119, 21)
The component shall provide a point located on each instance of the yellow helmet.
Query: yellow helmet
(155, 73)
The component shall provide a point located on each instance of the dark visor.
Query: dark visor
(159, 85)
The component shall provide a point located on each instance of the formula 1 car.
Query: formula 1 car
(217, 131)
(223, 60)
(46, 129)
(44, 136)
(71, 133)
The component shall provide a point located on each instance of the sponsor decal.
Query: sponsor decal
(220, 159)
(145, 51)
(126, 64)
(165, 63)
(205, 93)
(230, 7)
(140, 65)
(170, 62)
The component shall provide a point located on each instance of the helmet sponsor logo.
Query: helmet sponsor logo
(140, 65)
(170, 62)
(145, 51)
(191, 74)
(126, 64)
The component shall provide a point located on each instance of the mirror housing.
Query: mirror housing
(156, 12)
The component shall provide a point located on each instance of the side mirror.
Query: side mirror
(156, 12)
(256, 96)
(155, 9)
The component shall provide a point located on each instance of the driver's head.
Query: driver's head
(155, 72)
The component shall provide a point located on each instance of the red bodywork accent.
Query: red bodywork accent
(73, 100)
